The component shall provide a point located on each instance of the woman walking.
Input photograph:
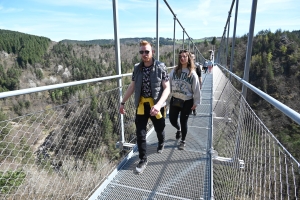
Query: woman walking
(185, 92)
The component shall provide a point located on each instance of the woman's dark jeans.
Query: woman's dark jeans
(185, 112)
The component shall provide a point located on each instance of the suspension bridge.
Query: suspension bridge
(57, 153)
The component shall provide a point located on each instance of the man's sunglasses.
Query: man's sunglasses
(183, 51)
(146, 52)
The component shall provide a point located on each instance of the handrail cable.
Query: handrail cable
(280, 106)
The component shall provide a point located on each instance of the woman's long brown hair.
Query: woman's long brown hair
(190, 64)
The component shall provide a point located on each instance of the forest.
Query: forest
(274, 69)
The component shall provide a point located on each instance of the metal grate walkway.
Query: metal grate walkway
(174, 174)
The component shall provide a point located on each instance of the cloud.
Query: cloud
(100, 5)
(92, 4)
(10, 10)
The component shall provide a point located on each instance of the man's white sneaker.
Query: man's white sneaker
(141, 166)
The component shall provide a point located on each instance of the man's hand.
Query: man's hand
(154, 110)
(122, 110)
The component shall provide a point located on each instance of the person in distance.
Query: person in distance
(198, 71)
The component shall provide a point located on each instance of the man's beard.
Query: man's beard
(147, 59)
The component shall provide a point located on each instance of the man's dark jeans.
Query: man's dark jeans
(141, 132)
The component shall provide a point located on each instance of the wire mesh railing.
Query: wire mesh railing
(64, 151)
(250, 162)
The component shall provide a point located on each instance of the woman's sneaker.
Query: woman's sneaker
(195, 112)
(178, 135)
(141, 166)
(160, 148)
(181, 145)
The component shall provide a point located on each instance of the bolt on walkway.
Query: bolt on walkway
(174, 174)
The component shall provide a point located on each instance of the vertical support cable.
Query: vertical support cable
(246, 76)
(233, 37)
(228, 29)
(219, 59)
(210, 137)
(183, 39)
(174, 41)
(219, 52)
(249, 47)
(118, 62)
(157, 36)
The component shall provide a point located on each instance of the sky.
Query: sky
(93, 19)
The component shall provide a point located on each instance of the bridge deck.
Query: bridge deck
(174, 174)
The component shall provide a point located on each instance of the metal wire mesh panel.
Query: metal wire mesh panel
(62, 152)
(251, 163)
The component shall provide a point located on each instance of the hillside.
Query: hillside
(130, 41)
